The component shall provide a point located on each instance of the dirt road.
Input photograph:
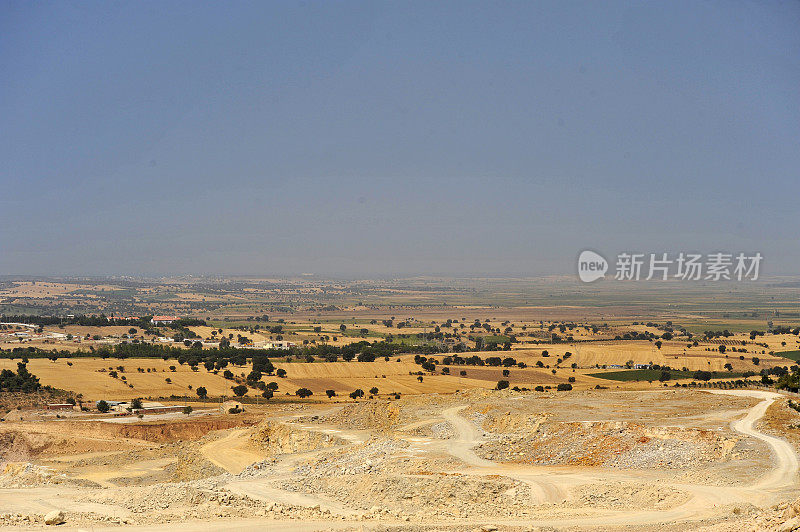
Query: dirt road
(553, 484)
(548, 484)
(468, 436)
(784, 475)
(233, 452)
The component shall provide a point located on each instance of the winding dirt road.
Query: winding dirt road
(548, 484)
(553, 484)
(784, 475)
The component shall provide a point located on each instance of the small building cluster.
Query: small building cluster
(124, 407)
(163, 320)
(269, 344)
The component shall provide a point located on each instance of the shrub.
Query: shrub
(21, 381)
(355, 394)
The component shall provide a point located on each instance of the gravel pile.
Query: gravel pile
(616, 444)
(423, 496)
(442, 430)
(621, 495)
(283, 438)
(27, 475)
(207, 499)
(369, 457)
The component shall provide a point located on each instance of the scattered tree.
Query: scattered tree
(355, 394)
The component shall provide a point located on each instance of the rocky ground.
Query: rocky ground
(513, 461)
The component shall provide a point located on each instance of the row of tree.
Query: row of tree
(363, 351)
(94, 321)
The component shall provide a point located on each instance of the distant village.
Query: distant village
(20, 333)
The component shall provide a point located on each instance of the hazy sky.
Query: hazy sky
(349, 138)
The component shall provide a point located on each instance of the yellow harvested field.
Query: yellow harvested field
(402, 384)
(91, 377)
(86, 376)
(82, 330)
(386, 376)
(672, 353)
(40, 289)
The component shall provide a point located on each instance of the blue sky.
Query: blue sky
(376, 138)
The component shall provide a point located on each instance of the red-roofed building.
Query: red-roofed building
(163, 320)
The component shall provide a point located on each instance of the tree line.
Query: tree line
(101, 320)
(361, 351)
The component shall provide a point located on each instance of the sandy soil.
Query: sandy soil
(424, 462)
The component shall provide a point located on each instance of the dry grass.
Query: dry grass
(85, 377)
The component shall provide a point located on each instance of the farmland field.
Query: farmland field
(791, 355)
(655, 374)
(410, 389)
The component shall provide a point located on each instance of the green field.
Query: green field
(791, 355)
(412, 341)
(497, 339)
(629, 375)
(356, 333)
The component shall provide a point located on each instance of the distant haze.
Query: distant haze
(372, 138)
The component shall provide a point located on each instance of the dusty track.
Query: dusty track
(553, 484)
(785, 474)
(549, 484)
(232, 452)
